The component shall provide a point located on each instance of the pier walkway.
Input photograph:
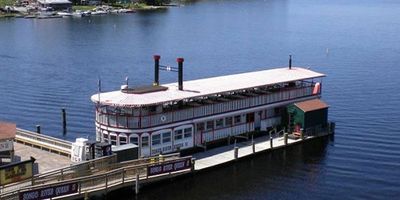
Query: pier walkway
(102, 175)
(45, 160)
(222, 155)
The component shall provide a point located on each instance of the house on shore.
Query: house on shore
(56, 4)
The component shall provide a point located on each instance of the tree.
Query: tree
(155, 2)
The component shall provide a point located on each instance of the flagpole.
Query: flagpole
(99, 89)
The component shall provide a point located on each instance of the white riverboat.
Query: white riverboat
(165, 118)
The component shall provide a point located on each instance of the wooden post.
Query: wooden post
(236, 152)
(123, 175)
(62, 174)
(38, 129)
(64, 121)
(106, 183)
(271, 143)
(193, 164)
(285, 136)
(253, 144)
(137, 184)
(86, 196)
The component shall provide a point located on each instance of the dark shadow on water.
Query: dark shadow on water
(259, 176)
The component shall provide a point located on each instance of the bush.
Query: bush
(155, 2)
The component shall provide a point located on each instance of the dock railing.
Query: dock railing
(41, 141)
(104, 180)
(86, 168)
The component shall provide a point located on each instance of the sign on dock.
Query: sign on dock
(169, 167)
(16, 171)
(49, 192)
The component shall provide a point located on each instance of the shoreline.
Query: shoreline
(134, 7)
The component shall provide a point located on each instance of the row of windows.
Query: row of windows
(156, 139)
(237, 119)
(219, 123)
(165, 137)
(112, 139)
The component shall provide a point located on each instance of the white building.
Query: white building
(56, 4)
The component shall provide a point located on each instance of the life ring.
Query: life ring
(163, 118)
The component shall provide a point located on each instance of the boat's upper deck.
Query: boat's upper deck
(207, 86)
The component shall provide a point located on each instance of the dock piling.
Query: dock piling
(236, 152)
(137, 184)
(271, 143)
(253, 144)
(38, 129)
(285, 138)
(193, 165)
(64, 121)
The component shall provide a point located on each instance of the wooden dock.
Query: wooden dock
(223, 155)
(45, 160)
(103, 175)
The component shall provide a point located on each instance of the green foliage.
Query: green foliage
(6, 3)
(155, 2)
(83, 8)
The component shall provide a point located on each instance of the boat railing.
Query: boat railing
(226, 106)
(206, 109)
(49, 143)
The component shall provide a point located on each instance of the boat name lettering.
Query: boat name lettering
(169, 167)
(49, 192)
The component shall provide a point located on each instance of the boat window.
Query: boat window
(210, 125)
(122, 139)
(145, 141)
(103, 119)
(113, 139)
(134, 140)
(121, 122)
(228, 121)
(155, 139)
(219, 123)
(237, 119)
(200, 126)
(166, 137)
(105, 137)
(178, 134)
(111, 120)
(250, 117)
(188, 132)
(277, 111)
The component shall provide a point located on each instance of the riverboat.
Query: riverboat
(164, 118)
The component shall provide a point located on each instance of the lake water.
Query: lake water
(49, 64)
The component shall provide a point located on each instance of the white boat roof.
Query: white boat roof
(206, 86)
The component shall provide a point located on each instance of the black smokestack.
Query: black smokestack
(180, 72)
(290, 61)
(156, 69)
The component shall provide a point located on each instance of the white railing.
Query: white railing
(103, 180)
(211, 109)
(41, 141)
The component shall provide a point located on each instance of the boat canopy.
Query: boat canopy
(205, 87)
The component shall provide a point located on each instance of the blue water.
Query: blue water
(49, 64)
